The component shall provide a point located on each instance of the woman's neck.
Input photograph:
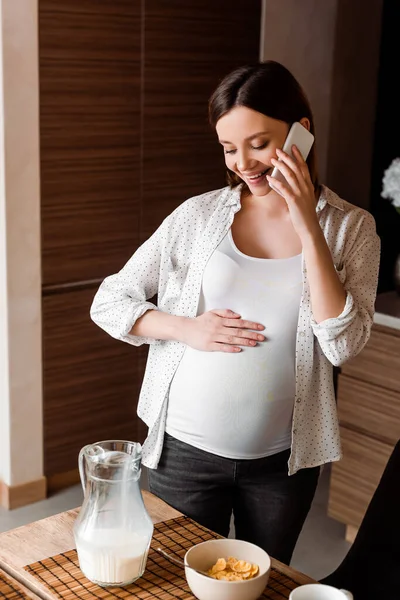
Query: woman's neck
(272, 204)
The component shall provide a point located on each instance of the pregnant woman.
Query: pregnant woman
(261, 287)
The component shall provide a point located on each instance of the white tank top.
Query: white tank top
(239, 405)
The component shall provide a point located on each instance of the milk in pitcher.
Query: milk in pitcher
(112, 556)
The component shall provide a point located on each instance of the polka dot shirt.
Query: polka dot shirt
(171, 264)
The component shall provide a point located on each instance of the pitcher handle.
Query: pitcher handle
(82, 469)
(348, 594)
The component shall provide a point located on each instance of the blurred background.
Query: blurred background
(103, 132)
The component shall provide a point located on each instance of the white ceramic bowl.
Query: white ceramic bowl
(204, 555)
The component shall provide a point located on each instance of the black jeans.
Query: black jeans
(269, 507)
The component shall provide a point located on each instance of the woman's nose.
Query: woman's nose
(243, 161)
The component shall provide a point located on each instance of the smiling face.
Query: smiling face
(250, 140)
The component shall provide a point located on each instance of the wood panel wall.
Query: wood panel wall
(90, 69)
(124, 140)
(189, 48)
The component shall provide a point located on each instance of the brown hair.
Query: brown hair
(270, 89)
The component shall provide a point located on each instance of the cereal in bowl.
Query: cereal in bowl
(233, 569)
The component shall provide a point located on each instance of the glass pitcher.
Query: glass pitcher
(113, 530)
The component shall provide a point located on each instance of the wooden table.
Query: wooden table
(48, 537)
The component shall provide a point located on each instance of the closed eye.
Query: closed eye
(260, 147)
(253, 148)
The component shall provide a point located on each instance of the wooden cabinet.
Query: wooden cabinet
(124, 140)
(369, 413)
(188, 48)
(91, 384)
(90, 66)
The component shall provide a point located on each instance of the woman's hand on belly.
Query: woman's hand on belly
(220, 330)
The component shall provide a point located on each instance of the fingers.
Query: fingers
(238, 340)
(231, 332)
(291, 174)
(225, 348)
(293, 163)
(225, 312)
(296, 164)
(244, 334)
(232, 319)
(301, 163)
(277, 185)
(243, 324)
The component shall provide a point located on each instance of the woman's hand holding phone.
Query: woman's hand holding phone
(291, 179)
(298, 191)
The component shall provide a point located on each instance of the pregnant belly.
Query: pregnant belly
(235, 405)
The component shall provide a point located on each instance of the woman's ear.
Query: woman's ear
(306, 123)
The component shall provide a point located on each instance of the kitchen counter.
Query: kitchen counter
(368, 400)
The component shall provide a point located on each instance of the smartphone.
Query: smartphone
(300, 137)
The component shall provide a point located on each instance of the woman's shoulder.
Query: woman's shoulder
(345, 210)
(197, 210)
(205, 202)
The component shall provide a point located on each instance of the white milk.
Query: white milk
(112, 556)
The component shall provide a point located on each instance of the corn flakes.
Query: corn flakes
(232, 569)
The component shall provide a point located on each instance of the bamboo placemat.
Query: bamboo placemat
(161, 580)
(10, 590)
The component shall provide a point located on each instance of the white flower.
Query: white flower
(391, 183)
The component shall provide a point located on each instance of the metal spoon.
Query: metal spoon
(180, 562)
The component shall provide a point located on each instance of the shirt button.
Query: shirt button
(302, 333)
(300, 367)
(298, 400)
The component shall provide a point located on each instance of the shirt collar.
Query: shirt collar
(326, 197)
(233, 196)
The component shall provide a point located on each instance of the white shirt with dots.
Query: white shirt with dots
(171, 264)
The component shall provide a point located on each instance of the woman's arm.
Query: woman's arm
(122, 298)
(342, 301)
(159, 326)
(328, 296)
(213, 331)
(122, 309)
(344, 337)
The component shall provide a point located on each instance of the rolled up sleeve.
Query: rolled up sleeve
(123, 298)
(343, 337)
